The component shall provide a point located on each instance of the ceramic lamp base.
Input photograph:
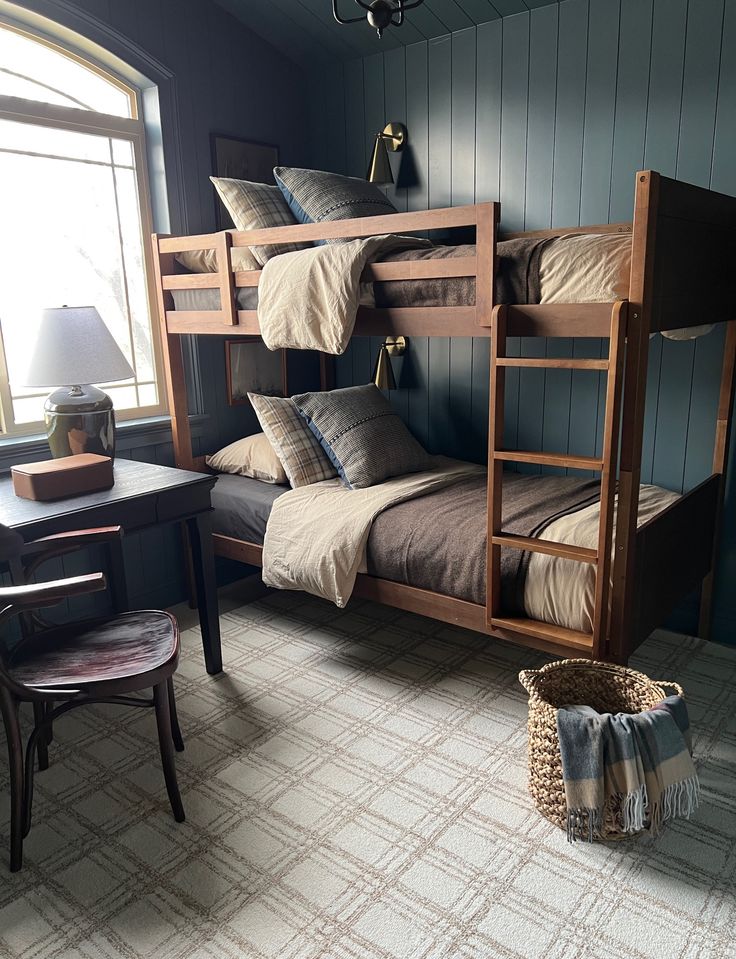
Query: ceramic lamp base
(80, 419)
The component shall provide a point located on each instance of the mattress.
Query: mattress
(575, 268)
(437, 541)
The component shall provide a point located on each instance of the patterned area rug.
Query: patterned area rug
(355, 788)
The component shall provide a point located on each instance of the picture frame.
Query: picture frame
(240, 160)
(251, 367)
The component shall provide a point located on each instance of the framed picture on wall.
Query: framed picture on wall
(240, 160)
(252, 368)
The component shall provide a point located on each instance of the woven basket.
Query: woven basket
(605, 687)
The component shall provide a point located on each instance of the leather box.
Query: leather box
(66, 476)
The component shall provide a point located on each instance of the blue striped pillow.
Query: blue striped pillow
(315, 196)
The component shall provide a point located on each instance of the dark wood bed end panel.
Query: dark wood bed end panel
(695, 238)
(674, 553)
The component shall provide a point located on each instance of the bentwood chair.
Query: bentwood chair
(58, 668)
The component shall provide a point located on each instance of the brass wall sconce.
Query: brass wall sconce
(383, 374)
(393, 138)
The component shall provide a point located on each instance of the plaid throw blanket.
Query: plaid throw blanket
(625, 773)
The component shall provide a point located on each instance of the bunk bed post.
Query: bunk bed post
(635, 381)
(176, 388)
(601, 616)
(494, 518)
(720, 462)
(485, 252)
(225, 277)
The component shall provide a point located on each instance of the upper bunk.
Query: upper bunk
(681, 254)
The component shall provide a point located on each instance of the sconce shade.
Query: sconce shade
(75, 347)
(379, 170)
(383, 374)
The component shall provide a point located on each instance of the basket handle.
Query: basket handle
(528, 679)
(666, 682)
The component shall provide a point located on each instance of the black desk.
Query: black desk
(144, 495)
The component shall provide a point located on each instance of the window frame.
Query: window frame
(132, 129)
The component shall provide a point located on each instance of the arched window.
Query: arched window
(74, 218)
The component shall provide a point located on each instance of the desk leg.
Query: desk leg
(118, 581)
(203, 563)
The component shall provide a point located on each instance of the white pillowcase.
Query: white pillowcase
(585, 268)
(252, 456)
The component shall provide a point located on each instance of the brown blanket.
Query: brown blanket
(438, 542)
(517, 277)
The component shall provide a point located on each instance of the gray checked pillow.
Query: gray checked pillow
(366, 441)
(314, 196)
(256, 206)
(302, 457)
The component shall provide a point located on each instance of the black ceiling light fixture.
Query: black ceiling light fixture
(379, 13)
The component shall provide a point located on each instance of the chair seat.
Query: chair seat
(119, 648)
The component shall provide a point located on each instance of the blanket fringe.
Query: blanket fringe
(679, 800)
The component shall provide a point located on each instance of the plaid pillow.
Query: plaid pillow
(254, 206)
(302, 457)
(362, 435)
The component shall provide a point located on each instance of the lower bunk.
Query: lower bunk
(428, 554)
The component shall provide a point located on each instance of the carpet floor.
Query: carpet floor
(355, 788)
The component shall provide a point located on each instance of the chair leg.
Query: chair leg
(15, 754)
(175, 728)
(39, 714)
(166, 745)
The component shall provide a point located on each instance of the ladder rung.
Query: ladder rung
(556, 634)
(551, 363)
(550, 459)
(548, 546)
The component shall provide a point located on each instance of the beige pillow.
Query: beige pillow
(205, 261)
(252, 456)
(585, 268)
(254, 206)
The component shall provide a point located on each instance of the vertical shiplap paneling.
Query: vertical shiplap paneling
(365, 348)
(441, 432)
(569, 101)
(514, 106)
(416, 363)
(394, 96)
(700, 91)
(541, 117)
(665, 85)
(462, 187)
(632, 94)
(488, 71)
(489, 68)
(600, 105)
(572, 55)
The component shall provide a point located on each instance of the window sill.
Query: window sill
(131, 434)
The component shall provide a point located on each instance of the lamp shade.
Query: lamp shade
(383, 374)
(74, 346)
(379, 170)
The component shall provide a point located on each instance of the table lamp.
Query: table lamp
(74, 347)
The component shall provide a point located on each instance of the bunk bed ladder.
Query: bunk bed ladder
(592, 644)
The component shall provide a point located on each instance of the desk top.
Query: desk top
(133, 480)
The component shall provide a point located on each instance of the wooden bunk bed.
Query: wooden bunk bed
(681, 276)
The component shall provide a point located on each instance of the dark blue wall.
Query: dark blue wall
(552, 112)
